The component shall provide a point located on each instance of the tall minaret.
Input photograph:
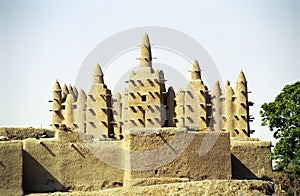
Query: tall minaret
(146, 57)
(117, 115)
(171, 107)
(217, 108)
(65, 92)
(196, 101)
(99, 113)
(242, 109)
(80, 117)
(57, 116)
(68, 112)
(229, 124)
(144, 99)
(98, 75)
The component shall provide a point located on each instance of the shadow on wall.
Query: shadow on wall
(36, 178)
(240, 171)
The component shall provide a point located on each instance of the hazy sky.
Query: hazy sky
(41, 41)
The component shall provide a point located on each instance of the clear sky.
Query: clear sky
(41, 41)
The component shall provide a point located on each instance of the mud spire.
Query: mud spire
(56, 107)
(195, 72)
(241, 85)
(217, 107)
(56, 87)
(65, 92)
(98, 75)
(242, 78)
(146, 57)
(227, 83)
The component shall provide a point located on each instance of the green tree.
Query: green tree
(282, 116)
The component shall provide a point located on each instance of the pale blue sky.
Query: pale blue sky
(41, 41)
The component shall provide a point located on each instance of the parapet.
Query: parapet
(173, 153)
(250, 159)
(11, 168)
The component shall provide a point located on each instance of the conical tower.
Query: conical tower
(241, 105)
(229, 124)
(98, 75)
(217, 108)
(99, 113)
(171, 107)
(80, 117)
(196, 100)
(65, 92)
(57, 116)
(68, 113)
(195, 71)
(144, 100)
(117, 115)
(146, 56)
(180, 108)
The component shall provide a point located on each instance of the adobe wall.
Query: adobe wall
(181, 148)
(65, 163)
(156, 156)
(17, 133)
(11, 168)
(250, 159)
(205, 187)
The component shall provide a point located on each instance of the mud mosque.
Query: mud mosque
(143, 117)
(146, 103)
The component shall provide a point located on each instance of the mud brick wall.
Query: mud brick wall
(65, 163)
(11, 168)
(178, 149)
(251, 159)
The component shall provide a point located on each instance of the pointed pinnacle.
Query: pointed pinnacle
(195, 66)
(81, 94)
(75, 91)
(195, 72)
(146, 57)
(98, 70)
(229, 91)
(56, 86)
(227, 83)
(216, 88)
(70, 89)
(98, 75)
(65, 89)
(241, 77)
(145, 40)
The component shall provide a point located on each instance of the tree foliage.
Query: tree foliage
(282, 116)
